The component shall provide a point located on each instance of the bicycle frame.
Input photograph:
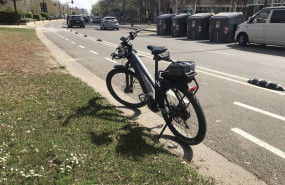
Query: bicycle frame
(144, 77)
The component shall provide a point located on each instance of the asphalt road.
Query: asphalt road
(246, 124)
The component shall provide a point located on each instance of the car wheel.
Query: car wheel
(83, 26)
(242, 40)
(117, 28)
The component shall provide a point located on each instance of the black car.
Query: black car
(75, 20)
(86, 19)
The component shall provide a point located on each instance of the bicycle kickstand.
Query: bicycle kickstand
(157, 139)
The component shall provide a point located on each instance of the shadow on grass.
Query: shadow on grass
(95, 109)
(100, 139)
(135, 143)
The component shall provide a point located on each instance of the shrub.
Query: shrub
(9, 16)
(45, 15)
(29, 15)
(25, 20)
(38, 17)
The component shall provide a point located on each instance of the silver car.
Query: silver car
(109, 22)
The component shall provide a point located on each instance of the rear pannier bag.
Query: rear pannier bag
(181, 71)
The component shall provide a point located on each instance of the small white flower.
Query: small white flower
(28, 131)
(23, 175)
(21, 172)
(37, 150)
(12, 169)
(42, 168)
(32, 171)
(68, 167)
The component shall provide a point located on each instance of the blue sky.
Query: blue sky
(87, 4)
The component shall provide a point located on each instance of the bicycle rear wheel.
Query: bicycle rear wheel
(182, 112)
(125, 88)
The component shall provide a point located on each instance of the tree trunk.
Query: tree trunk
(265, 3)
(15, 6)
(194, 7)
(124, 4)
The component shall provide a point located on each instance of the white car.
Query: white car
(96, 19)
(109, 22)
(265, 27)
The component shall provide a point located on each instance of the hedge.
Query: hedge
(38, 17)
(29, 15)
(45, 15)
(9, 16)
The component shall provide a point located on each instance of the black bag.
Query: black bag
(180, 68)
(180, 71)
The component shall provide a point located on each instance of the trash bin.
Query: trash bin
(164, 24)
(223, 26)
(179, 25)
(198, 26)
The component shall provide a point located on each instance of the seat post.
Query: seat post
(156, 70)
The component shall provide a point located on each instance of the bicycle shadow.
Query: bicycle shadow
(92, 109)
(136, 113)
(173, 144)
(130, 140)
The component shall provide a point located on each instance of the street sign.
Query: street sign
(43, 7)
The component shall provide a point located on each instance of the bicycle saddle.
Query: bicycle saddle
(155, 50)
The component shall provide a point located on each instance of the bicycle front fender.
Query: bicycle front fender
(124, 67)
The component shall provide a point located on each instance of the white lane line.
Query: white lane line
(93, 52)
(243, 83)
(221, 53)
(72, 42)
(259, 142)
(81, 46)
(111, 60)
(222, 73)
(260, 111)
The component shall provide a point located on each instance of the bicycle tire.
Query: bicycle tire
(173, 116)
(118, 90)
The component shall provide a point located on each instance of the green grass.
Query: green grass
(54, 129)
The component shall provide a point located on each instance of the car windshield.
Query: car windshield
(75, 17)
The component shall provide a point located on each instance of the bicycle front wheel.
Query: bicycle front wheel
(182, 112)
(125, 88)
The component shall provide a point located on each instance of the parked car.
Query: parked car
(265, 27)
(96, 19)
(109, 22)
(75, 20)
(86, 19)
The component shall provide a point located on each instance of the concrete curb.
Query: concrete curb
(206, 161)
